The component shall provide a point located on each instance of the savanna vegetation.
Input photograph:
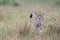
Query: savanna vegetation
(15, 22)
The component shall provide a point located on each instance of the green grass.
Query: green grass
(27, 2)
(8, 2)
(57, 2)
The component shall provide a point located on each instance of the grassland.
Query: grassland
(14, 20)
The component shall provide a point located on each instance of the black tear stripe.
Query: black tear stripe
(31, 16)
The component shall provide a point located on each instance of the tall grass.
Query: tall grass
(24, 31)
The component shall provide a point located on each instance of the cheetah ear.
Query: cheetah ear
(33, 12)
(42, 13)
